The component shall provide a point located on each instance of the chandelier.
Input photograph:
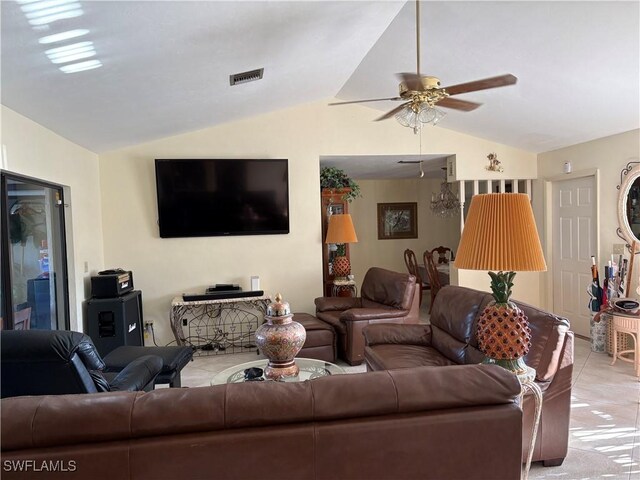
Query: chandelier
(416, 114)
(445, 204)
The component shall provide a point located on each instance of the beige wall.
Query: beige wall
(34, 151)
(118, 198)
(472, 166)
(609, 156)
(433, 231)
(291, 264)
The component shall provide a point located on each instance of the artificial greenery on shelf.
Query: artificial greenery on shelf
(332, 177)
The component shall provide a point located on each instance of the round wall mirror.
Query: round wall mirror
(629, 205)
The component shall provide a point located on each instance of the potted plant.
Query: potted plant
(335, 178)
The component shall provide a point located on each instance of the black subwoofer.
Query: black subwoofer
(114, 322)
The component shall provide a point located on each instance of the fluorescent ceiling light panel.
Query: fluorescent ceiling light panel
(55, 17)
(40, 13)
(71, 58)
(53, 11)
(70, 53)
(32, 7)
(67, 48)
(59, 37)
(81, 67)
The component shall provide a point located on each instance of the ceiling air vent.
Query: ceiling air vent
(244, 77)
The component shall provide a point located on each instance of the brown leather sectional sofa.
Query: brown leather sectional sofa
(450, 339)
(416, 423)
(385, 296)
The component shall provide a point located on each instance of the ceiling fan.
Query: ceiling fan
(421, 93)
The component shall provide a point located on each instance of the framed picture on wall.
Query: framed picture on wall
(397, 220)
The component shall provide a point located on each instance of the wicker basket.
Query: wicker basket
(625, 342)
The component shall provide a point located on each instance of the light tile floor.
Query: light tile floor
(605, 414)
(604, 440)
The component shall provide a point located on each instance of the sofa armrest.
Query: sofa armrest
(138, 374)
(397, 333)
(328, 304)
(357, 314)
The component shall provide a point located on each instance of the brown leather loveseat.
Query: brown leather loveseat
(450, 339)
(407, 424)
(385, 296)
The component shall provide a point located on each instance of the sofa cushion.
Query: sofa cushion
(388, 288)
(411, 334)
(333, 319)
(454, 320)
(390, 356)
(548, 333)
(326, 304)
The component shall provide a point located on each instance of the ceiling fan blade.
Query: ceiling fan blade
(413, 81)
(457, 104)
(493, 82)
(391, 113)
(364, 101)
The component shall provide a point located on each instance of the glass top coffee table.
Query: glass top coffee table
(309, 368)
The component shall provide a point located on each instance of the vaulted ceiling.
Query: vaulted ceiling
(165, 65)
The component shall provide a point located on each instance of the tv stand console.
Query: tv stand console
(218, 326)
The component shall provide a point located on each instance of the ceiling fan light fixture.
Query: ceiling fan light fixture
(408, 117)
(429, 114)
(422, 92)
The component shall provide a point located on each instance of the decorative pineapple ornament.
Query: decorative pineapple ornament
(504, 335)
(341, 266)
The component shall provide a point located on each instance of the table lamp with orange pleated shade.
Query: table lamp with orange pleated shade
(500, 234)
(340, 231)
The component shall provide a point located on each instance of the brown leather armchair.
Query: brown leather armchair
(386, 297)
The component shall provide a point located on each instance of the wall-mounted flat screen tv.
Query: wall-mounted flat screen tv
(214, 197)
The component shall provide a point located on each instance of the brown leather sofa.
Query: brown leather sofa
(385, 296)
(450, 339)
(405, 424)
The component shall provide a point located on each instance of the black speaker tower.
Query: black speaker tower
(114, 322)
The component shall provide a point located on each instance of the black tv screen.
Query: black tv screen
(201, 198)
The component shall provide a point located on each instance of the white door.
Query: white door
(574, 242)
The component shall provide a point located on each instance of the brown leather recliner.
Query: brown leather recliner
(386, 297)
(451, 339)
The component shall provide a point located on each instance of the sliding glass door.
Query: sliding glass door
(34, 289)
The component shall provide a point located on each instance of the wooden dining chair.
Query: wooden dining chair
(444, 254)
(432, 274)
(411, 262)
(22, 319)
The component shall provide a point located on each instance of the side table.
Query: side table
(629, 324)
(528, 384)
(344, 286)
